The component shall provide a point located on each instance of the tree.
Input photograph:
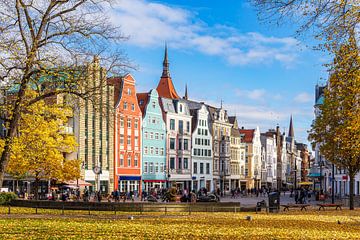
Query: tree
(40, 147)
(51, 38)
(330, 20)
(337, 129)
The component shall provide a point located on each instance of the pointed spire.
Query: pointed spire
(186, 93)
(166, 72)
(221, 103)
(291, 128)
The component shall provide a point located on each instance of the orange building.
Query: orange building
(127, 130)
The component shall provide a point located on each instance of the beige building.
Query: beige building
(236, 165)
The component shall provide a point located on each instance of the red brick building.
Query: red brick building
(127, 150)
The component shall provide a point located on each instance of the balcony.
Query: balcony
(180, 171)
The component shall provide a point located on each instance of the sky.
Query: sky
(261, 72)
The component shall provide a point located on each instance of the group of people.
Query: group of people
(301, 195)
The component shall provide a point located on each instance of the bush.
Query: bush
(7, 197)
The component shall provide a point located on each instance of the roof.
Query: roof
(248, 134)
(166, 87)
(143, 99)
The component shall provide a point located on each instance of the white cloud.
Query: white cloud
(303, 98)
(151, 24)
(255, 94)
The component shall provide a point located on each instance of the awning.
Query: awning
(129, 178)
(314, 175)
(80, 183)
(305, 183)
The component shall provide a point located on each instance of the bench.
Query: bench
(301, 206)
(335, 205)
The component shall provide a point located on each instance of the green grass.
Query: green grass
(50, 224)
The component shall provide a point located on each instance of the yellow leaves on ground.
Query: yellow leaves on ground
(292, 225)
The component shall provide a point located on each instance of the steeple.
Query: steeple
(165, 87)
(166, 72)
(186, 93)
(291, 128)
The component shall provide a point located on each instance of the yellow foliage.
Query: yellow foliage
(41, 144)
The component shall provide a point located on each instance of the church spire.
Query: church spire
(291, 128)
(186, 93)
(166, 72)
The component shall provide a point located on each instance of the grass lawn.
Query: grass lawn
(50, 224)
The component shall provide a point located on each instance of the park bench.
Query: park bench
(334, 205)
(301, 206)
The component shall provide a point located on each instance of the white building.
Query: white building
(269, 147)
(202, 155)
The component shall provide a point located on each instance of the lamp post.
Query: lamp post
(333, 184)
(321, 164)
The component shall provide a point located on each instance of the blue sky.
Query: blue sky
(222, 52)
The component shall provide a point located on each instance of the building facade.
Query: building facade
(221, 131)
(235, 156)
(201, 151)
(153, 142)
(269, 161)
(128, 121)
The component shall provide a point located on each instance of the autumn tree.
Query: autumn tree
(41, 144)
(329, 20)
(51, 38)
(337, 129)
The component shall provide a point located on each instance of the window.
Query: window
(195, 168)
(153, 120)
(162, 136)
(128, 140)
(145, 167)
(207, 168)
(129, 91)
(209, 153)
(132, 107)
(201, 168)
(206, 132)
(161, 151)
(121, 138)
(180, 144)
(187, 126)
(157, 151)
(125, 105)
(162, 167)
(199, 131)
(146, 150)
(172, 124)
(136, 124)
(156, 136)
(156, 167)
(181, 108)
(172, 143)
(129, 160)
(179, 163)
(129, 123)
(186, 144)
(246, 159)
(153, 104)
(146, 135)
(136, 141)
(151, 150)
(186, 163)
(135, 161)
(121, 160)
(195, 151)
(172, 163)
(121, 122)
(151, 135)
(151, 168)
(246, 172)
(181, 126)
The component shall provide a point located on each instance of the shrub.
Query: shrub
(7, 197)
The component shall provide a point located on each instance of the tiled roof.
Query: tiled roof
(143, 99)
(166, 88)
(249, 134)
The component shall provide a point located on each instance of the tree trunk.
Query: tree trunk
(37, 188)
(351, 191)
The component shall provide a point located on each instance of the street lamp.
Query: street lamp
(333, 184)
(321, 164)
